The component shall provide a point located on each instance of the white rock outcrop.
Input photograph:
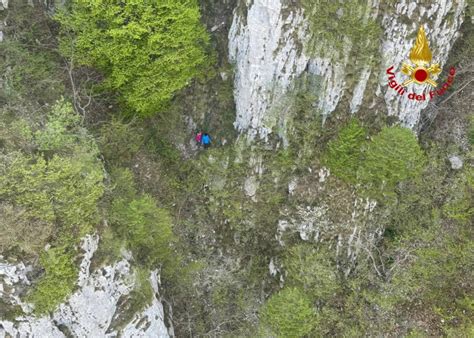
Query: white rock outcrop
(267, 45)
(456, 162)
(263, 47)
(90, 310)
(355, 232)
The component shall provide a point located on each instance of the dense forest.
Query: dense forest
(348, 225)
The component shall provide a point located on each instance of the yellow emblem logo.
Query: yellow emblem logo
(420, 56)
(420, 71)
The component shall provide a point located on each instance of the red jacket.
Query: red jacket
(198, 137)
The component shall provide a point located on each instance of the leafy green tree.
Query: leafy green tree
(31, 73)
(61, 133)
(57, 188)
(147, 49)
(344, 153)
(289, 313)
(146, 227)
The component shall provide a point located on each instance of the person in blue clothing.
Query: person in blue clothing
(206, 140)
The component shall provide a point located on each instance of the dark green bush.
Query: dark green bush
(146, 227)
(136, 219)
(344, 154)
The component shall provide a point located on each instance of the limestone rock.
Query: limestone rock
(263, 45)
(267, 45)
(250, 186)
(456, 162)
(89, 311)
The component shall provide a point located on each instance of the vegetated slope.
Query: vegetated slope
(55, 193)
(355, 227)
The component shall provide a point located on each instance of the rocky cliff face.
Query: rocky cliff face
(91, 310)
(267, 45)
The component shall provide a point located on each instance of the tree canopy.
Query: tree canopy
(147, 50)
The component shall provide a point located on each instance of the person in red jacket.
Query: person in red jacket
(198, 138)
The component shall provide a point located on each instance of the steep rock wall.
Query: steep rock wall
(262, 44)
(90, 310)
(267, 45)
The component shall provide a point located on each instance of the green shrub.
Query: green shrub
(311, 271)
(58, 188)
(120, 141)
(289, 314)
(61, 132)
(146, 228)
(460, 207)
(123, 184)
(62, 190)
(344, 154)
(28, 73)
(58, 280)
(148, 50)
(23, 180)
(392, 156)
(139, 224)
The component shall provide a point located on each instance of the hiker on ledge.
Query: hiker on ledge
(198, 138)
(206, 140)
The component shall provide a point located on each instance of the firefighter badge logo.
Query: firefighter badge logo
(421, 70)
